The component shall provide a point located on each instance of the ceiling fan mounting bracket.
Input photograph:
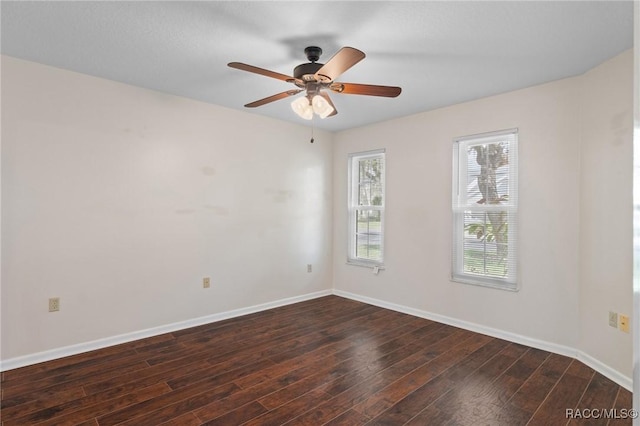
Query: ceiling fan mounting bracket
(313, 53)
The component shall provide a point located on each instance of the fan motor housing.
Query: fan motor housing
(306, 72)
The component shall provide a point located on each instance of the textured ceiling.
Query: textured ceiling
(440, 53)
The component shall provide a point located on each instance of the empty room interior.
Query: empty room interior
(314, 213)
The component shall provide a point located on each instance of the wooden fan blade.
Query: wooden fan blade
(339, 63)
(261, 71)
(366, 89)
(272, 98)
(326, 97)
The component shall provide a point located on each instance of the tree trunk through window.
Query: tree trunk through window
(490, 158)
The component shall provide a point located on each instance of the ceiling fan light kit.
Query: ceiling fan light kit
(305, 107)
(321, 106)
(315, 79)
(302, 107)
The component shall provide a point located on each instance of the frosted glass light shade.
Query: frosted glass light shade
(303, 108)
(321, 106)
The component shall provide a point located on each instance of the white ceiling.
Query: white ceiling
(440, 53)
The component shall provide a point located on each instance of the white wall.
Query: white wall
(418, 216)
(606, 210)
(119, 200)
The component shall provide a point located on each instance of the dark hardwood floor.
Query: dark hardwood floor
(328, 361)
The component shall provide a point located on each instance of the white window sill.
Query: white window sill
(364, 264)
(499, 285)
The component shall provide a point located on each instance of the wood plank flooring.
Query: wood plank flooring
(327, 361)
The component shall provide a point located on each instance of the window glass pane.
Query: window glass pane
(366, 204)
(485, 209)
(368, 234)
(370, 172)
(488, 173)
(485, 243)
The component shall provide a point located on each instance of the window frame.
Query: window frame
(460, 205)
(352, 206)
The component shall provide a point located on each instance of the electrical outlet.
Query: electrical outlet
(613, 319)
(309, 267)
(624, 323)
(54, 304)
(206, 282)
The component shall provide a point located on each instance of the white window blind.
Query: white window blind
(485, 209)
(366, 208)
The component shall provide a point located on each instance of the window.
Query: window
(366, 208)
(485, 208)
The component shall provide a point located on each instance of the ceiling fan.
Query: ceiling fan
(314, 78)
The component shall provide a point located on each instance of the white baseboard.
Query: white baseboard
(11, 363)
(598, 366)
